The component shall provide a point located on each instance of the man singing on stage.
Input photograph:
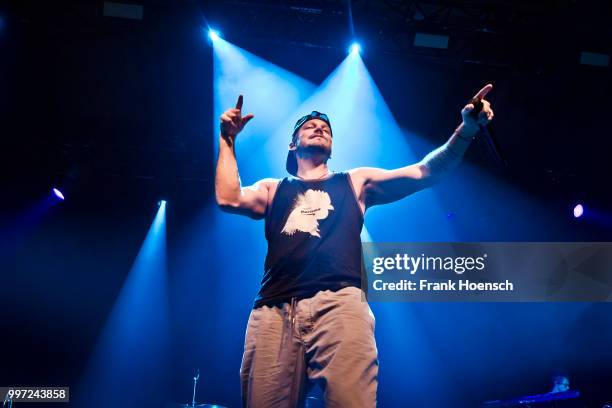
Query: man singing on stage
(310, 324)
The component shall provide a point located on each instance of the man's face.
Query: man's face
(314, 135)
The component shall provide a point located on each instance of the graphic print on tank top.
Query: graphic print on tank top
(308, 209)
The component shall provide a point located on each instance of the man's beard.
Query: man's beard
(314, 151)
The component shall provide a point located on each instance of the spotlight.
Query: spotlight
(431, 40)
(161, 202)
(355, 48)
(578, 211)
(213, 34)
(58, 194)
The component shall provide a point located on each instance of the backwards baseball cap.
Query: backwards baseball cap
(291, 165)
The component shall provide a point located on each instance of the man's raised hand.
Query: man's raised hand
(232, 121)
(485, 115)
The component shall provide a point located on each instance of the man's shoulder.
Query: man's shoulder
(268, 182)
(360, 174)
(362, 170)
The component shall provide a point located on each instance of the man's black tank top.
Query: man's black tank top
(313, 232)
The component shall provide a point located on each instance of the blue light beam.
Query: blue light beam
(270, 92)
(132, 351)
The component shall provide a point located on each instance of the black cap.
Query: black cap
(291, 164)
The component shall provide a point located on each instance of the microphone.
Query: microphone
(487, 131)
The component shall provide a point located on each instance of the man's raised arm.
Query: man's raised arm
(379, 186)
(230, 195)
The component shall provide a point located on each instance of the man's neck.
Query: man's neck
(308, 171)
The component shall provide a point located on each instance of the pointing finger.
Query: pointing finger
(239, 103)
(484, 91)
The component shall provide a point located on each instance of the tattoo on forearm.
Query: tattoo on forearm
(441, 160)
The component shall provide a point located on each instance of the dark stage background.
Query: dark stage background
(119, 114)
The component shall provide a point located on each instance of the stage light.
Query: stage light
(161, 202)
(133, 345)
(121, 10)
(595, 59)
(431, 41)
(58, 194)
(578, 211)
(355, 48)
(213, 34)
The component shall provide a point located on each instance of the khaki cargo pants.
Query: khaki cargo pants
(327, 339)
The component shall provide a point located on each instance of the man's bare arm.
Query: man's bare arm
(379, 186)
(251, 201)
